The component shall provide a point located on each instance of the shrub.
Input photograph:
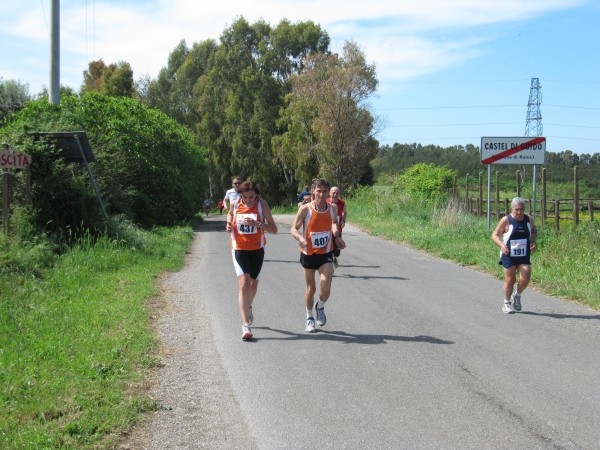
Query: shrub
(147, 166)
(427, 180)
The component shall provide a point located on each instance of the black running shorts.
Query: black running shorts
(315, 260)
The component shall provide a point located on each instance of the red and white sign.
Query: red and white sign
(14, 160)
(513, 150)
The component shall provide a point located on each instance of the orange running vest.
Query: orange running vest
(247, 237)
(316, 230)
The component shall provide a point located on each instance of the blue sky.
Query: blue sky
(450, 71)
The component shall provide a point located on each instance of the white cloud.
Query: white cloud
(400, 36)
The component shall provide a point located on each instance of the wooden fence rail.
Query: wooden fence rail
(544, 210)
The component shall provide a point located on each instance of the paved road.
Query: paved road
(416, 354)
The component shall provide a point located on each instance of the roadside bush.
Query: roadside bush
(147, 167)
(427, 180)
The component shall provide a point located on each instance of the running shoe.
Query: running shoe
(516, 298)
(251, 317)
(508, 308)
(310, 325)
(246, 332)
(321, 318)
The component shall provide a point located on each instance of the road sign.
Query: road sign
(513, 150)
(10, 159)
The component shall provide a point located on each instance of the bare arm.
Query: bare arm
(498, 232)
(229, 224)
(299, 219)
(532, 235)
(269, 224)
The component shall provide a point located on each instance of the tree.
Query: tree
(173, 91)
(328, 116)
(115, 80)
(239, 98)
(13, 96)
(118, 80)
(92, 77)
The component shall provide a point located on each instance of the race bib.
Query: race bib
(518, 248)
(319, 239)
(243, 228)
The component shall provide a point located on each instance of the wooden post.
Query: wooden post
(507, 207)
(480, 204)
(557, 215)
(467, 203)
(575, 196)
(543, 205)
(454, 186)
(497, 195)
(5, 199)
(518, 183)
(591, 210)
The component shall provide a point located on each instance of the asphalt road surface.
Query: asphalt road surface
(416, 354)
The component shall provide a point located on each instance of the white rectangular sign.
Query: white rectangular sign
(513, 150)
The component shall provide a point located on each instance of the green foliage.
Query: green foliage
(427, 180)
(330, 90)
(76, 338)
(147, 166)
(231, 92)
(559, 167)
(115, 79)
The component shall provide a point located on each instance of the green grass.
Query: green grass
(566, 264)
(76, 337)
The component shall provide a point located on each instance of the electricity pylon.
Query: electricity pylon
(533, 126)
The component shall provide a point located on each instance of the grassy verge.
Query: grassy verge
(76, 336)
(567, 264)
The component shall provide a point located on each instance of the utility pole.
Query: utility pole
(533, 125)
(54, 91)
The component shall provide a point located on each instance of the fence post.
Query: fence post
(5, 198)
(507, 207)
(497, 195)
(480, 204)
(543, 205)
(467, 203)
(575, 196)
(591, 210)
(454, 188)
(557, 215)
(518, 183)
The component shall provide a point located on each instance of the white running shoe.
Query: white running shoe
(246, 332)
(310, 325)
(321, 318)
(516, 299)
(508, 308)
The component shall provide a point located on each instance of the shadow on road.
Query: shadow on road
(349, 338)
(367, 277)
(562, 316)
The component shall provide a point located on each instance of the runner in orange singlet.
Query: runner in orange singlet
(318, 220)
(247, 220)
